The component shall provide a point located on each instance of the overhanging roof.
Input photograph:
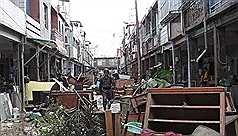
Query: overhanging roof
(50, 44)
(170, 16)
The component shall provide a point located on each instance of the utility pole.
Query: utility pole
(124, 50)
(138, 41)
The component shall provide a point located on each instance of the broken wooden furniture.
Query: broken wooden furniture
(69, 99)
(79, 81)
(232, 125)
(122, 86)
(137, 101)
(181, 110)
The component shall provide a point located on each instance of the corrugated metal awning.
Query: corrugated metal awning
(50, 44)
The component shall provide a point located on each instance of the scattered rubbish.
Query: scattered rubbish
(15, 112)
(134, 127)
(36, 113)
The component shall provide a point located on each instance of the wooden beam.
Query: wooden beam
(109, 125)
(117, 124)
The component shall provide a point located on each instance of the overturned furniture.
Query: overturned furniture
(124, 87)
(183, 109)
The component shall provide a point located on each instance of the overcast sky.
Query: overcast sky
(103, 21)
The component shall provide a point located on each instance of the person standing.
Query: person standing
(106, 86)
(204, 77)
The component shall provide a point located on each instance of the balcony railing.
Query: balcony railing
(220, 5)
(56, 35)
(169, 10)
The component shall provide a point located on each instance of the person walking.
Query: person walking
(106, 86)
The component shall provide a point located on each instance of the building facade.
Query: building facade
(38, 40)
(185, 36)
(12, 41)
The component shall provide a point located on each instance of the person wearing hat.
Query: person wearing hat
(106, 86)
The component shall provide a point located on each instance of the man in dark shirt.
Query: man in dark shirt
(107, 84)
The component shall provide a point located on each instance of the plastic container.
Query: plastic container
(97, 84)
(15, 112)
(134, 127)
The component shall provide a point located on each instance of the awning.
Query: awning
(38, 86)
(50, 44)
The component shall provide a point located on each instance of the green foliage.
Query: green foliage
(152, 83)
(159, 77)
(61, 121)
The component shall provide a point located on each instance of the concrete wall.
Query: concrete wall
(35, 12)
(33, 27)
(45, 33)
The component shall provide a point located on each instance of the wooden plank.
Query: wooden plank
(147, 111)
(134, 105)
(117, 124)
(131, 117)
(222, 112)
(236, 126)
(109, 124)
(188, 92)
(231, 118)
(230, 103)
(188, 107)
(126, 120)
(183, 121)
(186, 89)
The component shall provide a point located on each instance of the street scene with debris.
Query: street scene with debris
(174, 72)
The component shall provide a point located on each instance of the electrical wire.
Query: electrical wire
(109, 47)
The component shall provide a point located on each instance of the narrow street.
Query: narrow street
(119, 68)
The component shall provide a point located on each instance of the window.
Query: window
(213, 2)
(46, 16)
(62, 29)
(28, 8)
(100, 62)
(66, 39)
(59, 27)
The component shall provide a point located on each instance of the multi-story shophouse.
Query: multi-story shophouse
(56, 50)
(76, 48)
(36, 39)
(170, 10)
(202, 34)
(212, 38)
(111, 63)
(12, 41)
(48, 54)
(87, 57)
(148, 41)
(186, 36)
